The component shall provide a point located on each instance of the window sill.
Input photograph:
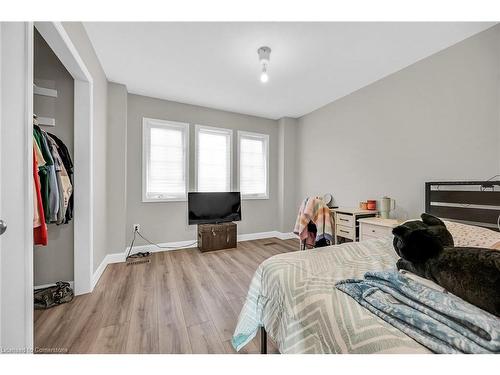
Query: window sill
(255, 197)
(160, 200)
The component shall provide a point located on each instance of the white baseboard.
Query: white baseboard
(99, 271)
(108, 259)
(166, 246)
(257, 236)
(71, 284)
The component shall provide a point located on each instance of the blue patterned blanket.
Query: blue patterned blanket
(438, 320)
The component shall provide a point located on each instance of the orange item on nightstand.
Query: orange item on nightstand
(371, 204)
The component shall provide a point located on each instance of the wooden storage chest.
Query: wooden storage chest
(216, 236)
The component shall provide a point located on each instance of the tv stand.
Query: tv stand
(216, 236)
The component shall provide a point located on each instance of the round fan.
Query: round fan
(328, 199)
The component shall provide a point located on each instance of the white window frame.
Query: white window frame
(214, 129)
(147, 123)
(264, 137)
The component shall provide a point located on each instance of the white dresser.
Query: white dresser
(347, 222)
(376, 227)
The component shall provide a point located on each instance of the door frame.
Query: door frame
(17, 86)
(83, 194)
(0, 182)
(28, 215)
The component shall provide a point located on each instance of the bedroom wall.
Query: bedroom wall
(167, 221)
(116, 167)
(287, 210)
(437, 119)
(54, 262)
(80, 39)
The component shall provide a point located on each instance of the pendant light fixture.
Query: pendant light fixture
(264, 56)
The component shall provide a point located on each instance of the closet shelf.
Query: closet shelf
(46, 121)
(38, 90)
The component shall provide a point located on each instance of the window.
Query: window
(165, 160)
(254, 165)
(213, 158)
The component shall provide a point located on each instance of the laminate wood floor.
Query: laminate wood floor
(183, 301)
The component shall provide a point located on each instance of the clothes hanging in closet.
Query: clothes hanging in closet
(68, 167)
(63, 181)
(52, 194)
(39, 226)
(43, 171)
(53, 201)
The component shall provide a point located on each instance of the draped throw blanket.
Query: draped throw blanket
(436, 319)
(314, 210)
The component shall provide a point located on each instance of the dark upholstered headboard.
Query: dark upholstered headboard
(474, 202)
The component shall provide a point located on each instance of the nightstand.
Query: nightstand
(376, 227)
(347, 222)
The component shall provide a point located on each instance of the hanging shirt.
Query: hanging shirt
(63, 181)
(38, 153)
(67, 190)
(53, 186)
(43, 171)
(39, 161)
(40, 236)
(68, 165)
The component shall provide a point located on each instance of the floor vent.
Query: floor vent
(133, 263)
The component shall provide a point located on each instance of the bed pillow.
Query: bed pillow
(465, 235)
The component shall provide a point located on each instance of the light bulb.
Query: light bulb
(264, 77)
(264, 54)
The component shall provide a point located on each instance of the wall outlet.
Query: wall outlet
(137, 227)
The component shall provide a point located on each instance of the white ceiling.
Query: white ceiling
(216, 64)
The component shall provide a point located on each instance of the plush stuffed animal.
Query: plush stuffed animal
(471, 273)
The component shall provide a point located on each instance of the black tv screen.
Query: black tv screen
(210, 208)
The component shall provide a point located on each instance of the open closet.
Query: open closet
(53, 145)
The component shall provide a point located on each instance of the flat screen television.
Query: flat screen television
(212, 208)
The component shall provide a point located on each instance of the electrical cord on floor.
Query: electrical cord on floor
(166, 247)
(138, 254)
(147, 253)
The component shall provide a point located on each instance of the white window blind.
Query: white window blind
(165, 160)
(213, 158)
(254, 162)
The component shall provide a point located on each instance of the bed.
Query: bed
(292, 297)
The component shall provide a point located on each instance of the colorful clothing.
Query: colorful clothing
(52, 184)
(65, 188)
(39, 226)
(316, 211)
(68, 166)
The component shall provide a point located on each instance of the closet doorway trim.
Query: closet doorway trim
(58, 39)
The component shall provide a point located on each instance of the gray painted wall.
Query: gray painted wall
(373, 142)
(435, 120)
(165, 222)
(54, 262)
(117, 167)
(287, 209)
(80, 39)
